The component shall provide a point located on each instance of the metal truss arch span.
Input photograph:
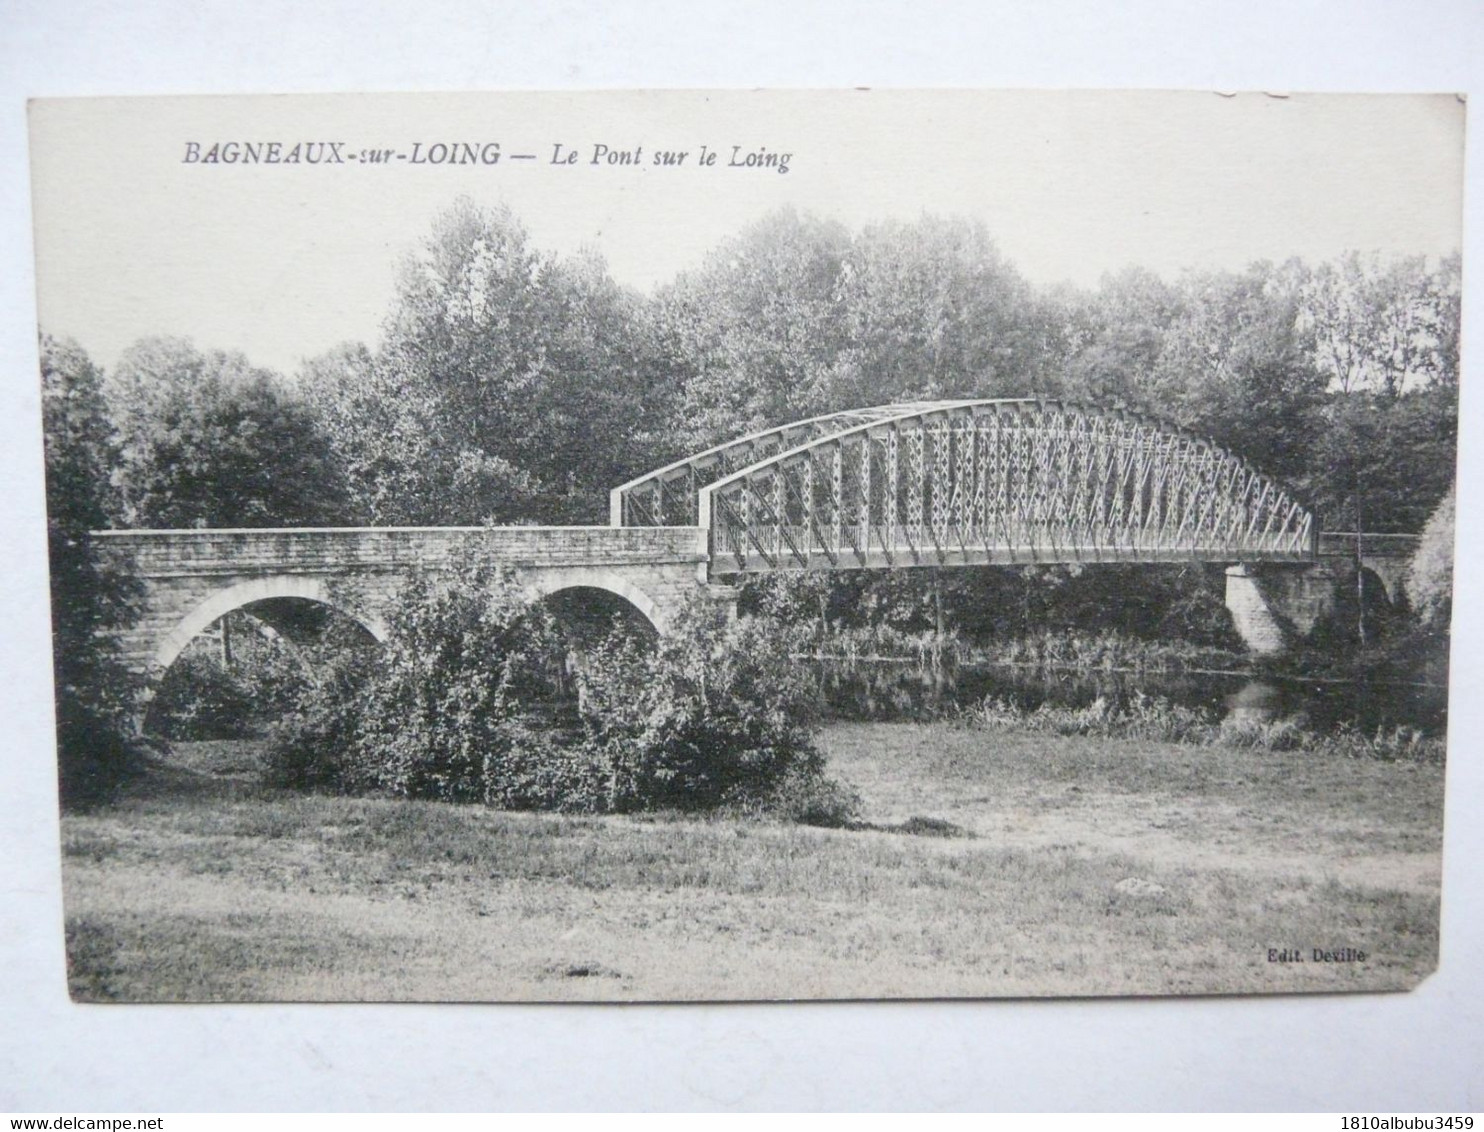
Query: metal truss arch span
(994, 482)
(669, 496)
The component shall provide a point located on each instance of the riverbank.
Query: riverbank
(1006, 863)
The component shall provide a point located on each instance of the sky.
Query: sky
(138, 233)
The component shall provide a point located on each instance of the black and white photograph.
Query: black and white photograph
(674, 546)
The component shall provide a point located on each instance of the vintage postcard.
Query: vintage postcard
(665, 546)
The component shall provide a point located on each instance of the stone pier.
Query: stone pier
(1277, 605)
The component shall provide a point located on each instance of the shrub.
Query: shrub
(805, 794)
(314, 746)
(1286, 734)
(715, 714)
(1154, 717)
(199, 699)
(467, 659)
(1430, 574)
(466, 703)
(1137, 716)
(1394, 744)
(995, 713)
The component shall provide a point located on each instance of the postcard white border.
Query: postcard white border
(1400, 1053)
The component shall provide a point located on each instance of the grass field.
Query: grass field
(989, 864)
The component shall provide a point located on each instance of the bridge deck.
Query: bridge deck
(874, 548)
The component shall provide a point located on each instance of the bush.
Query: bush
(1430, 574)
(314, 746)
(716, 714)
(1153, 717)
(1286, 734)
(466, 704)
(1137, 716)
(448, 713)
(805, 794)
(199, 699)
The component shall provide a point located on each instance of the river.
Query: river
(905, 690)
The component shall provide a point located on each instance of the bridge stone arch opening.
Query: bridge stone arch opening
(257, 591)
(589, 595)
(223, 670)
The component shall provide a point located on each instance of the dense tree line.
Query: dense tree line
(514, 385)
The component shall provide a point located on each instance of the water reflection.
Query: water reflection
(1257, 701)
(889, 690)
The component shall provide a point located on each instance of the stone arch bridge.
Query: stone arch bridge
(942, 483)
(191, 578)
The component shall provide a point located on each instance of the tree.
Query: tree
(1113, 339)
(1386, 337)
(207, 440)
(529, 368)
(933, 311)
(597, 415)
(95, 693)
(389, 436)
(1236, 366)
(1384, 328)
(754, 333)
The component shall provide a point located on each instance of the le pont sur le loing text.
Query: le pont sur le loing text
(461, 153)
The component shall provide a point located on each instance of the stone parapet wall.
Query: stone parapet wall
(167, 553)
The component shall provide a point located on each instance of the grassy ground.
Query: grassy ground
(1038, 865)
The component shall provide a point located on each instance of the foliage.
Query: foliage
(796, 317)
(450, 714)
(1430, 575)
(208, 440)
(466, 703)
(387, 433)
(932, 310)
(1385, 327)
(1138, 716)
(95, 693)
(315, 745)
(1386, 339)
(508, 385)
(717, 714)
(1110, 651)
(754, 333)
(198, 698)
(957, 611)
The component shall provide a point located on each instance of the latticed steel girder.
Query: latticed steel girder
(669, 496)
(1000, 482)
